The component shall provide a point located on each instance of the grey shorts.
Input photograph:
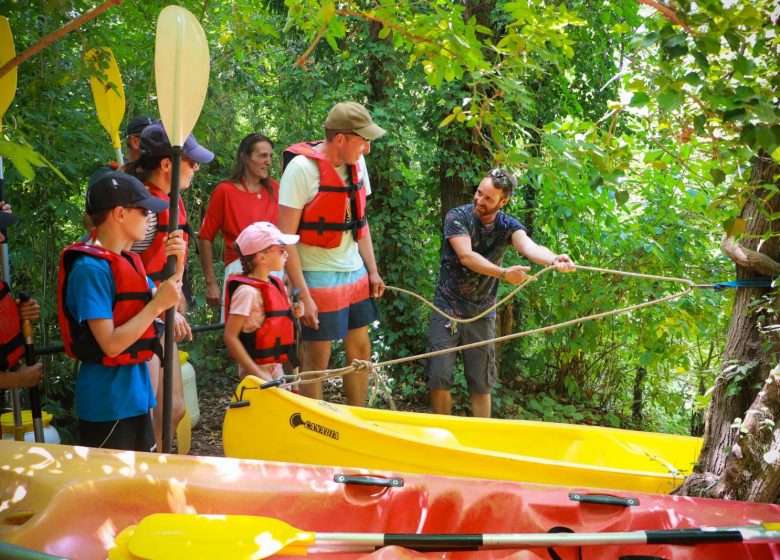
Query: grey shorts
(479, 364)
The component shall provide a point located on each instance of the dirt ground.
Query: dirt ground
(207, 434)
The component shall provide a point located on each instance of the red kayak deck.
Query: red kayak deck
(72, 501)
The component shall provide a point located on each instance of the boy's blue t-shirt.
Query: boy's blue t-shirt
(104, 394)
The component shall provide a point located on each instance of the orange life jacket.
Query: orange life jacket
(11, 339)
(325, 219)
(154, 256)
(131, 296)
(274, 341)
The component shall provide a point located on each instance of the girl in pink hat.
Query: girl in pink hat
(259, 329)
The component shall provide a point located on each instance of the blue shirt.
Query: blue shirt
(104, 394)
(460, 291)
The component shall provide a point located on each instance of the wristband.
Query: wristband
(503, 274)
(555, 259)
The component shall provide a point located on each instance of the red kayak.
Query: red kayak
(72, 502)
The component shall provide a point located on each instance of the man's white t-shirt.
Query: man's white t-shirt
(297, 187)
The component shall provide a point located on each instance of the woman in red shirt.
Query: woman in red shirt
(249, 195)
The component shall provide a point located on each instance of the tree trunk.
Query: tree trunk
(751, 472)
(463, 157)
(731, 463)
(636, 403)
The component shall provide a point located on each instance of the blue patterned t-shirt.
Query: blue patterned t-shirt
(461, 292)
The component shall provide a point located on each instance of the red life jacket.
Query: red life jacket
(11, 339)
(154, 255)
(132, 294)
(324, 219)
(274, 341)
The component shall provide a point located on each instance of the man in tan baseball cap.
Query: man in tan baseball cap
(322, 198)
(353, 117)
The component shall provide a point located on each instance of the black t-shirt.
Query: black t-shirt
(461, 292)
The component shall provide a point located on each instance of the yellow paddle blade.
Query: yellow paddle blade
(184, 434)
(181, 69)
(174, 536)
(119, 550)
(107, 90)
(7, 82)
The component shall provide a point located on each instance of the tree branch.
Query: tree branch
(398, 29)
(670, 14)
(301, 62)
(748, 258)
(62, 31)
(303, 59)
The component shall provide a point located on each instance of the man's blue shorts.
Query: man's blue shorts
(343, 303)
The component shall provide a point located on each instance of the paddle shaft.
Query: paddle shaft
(5, 265)
(35, 393)
(170, 314)
(444, 542)
(296, 297)
(46, 350)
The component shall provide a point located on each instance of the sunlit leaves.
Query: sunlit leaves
(735, 226)
(25, 159)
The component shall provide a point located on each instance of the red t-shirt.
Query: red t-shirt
(231, 209)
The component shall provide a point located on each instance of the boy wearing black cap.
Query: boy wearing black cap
(12, 313)
(107, 311)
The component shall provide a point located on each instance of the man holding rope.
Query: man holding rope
(475, 239)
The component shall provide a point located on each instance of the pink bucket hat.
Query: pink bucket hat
(260, 235)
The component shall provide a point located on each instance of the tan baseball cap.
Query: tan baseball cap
(353, 117)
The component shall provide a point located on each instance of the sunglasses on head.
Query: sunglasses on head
(501, 177)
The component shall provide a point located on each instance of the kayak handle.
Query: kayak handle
(364, 480)
(603, 499)
(274, 383)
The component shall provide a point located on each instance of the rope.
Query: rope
(361, 365)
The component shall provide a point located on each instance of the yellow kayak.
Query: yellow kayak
(277, 425)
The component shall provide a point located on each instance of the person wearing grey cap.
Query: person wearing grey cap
(108, 308)
(155, 169)
(12, 313)
(322, 198)
(133, 130)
